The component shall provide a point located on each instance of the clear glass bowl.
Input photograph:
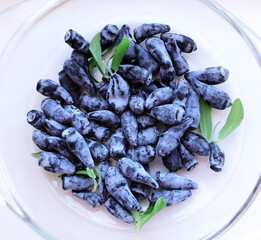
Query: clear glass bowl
(37, 51)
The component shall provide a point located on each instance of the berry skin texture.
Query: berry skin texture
(103, 166)
(157, 49)
(140, 190)
(77, 42)
(147, 30)
(159, 96)
(99, 151)
(173, 181)
(213, 96)
(60, 146)
(145, 60)
(188, 159)
(70, 86)
(173, 161)
(179, 62)
(106, 118)
(56, 163)
(79, 75)
(211, 75)
(91, 104)
(91, 198)
(171, 196)
(135, 74)
(39, 139)
(118, 187)
(216, 157)
(136, 104)
(117, 144)
(52, 89)
(130, 54)
(36, 118)
(170, 140)
(148, 136)
(195, 143)
(118, 93)
(78, 146)
(130, 127)
(136, 172)
(169, 114)
(192, 108)
(142, 154)
(54, 110)
(185, 43)
(145, 121)
(108, 35)
(99, 132)
(76, 182)
(181, 93)
(54, 128)
(118, 211)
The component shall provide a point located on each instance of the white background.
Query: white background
(247, 228)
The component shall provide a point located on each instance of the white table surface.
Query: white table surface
(247, 228)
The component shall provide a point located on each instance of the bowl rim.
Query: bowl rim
(253, 40)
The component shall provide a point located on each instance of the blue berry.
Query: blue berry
(78, 146)
(136, 172)
(185, 43)
(170, 140)
(196, 143)
(91, 198)
(117, 210)
(171, 196)
(77, 182)
(55, 162)
(77, 42)
(118, 187)
(147, 30)
(36, 119)
(54, 110)
(173, 181)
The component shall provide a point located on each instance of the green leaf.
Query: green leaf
(205, 123)
(98, 173)
(36, 155)
(214, 130)
(81, 172)
(234, 119)
(90, 173)
(140, 218)
(95, 49)
(92, 65)
(119, 53)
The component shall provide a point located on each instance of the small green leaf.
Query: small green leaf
(205, 123)
(36, 155)
(234, 119)
(95, 49)
(214, 130)
(140, 218)
(98, 173)
(81, 172)
(92, 65)
(89, 172)
(119, 53)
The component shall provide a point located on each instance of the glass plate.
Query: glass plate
(37, 51)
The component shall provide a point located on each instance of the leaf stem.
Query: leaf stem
(213, 133)
(109, 70)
